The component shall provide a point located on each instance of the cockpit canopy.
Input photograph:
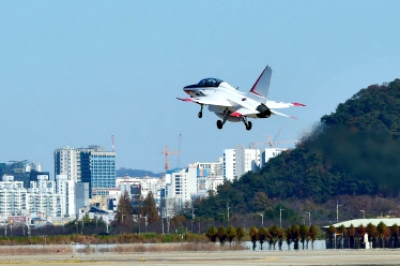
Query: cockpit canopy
(209, 82)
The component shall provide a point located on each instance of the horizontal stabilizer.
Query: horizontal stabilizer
(281, 114)
(277, 105)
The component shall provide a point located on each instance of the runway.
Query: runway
(326, 257)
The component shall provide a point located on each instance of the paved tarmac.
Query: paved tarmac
(247, 257)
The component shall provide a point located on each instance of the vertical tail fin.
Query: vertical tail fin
(261, 86)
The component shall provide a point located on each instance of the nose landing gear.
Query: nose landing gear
(200, 115)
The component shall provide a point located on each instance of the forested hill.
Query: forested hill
(136, 173)
(354, 151)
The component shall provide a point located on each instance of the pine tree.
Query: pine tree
(124, 209)
(149, 209)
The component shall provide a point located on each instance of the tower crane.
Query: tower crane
(167, 152)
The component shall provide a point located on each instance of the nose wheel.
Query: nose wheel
(220, 124)
(200, 114)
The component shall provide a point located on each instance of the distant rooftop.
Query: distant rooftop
(365, 222)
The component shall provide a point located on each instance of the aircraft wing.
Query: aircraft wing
(277, 105)
(207, 101)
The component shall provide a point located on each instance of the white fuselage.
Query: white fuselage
(229, 94)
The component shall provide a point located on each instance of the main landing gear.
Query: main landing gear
(220, 123)
(200, 115)
(247, 124)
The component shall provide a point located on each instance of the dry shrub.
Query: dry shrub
(200, 246)
(87, 250)
(18, 250)
(129, 248)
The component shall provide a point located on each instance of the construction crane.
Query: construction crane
(272, 143)
(167, 152)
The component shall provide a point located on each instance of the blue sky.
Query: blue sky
(72, 73)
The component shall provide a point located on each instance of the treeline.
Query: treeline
(353, 151)
(272, 235)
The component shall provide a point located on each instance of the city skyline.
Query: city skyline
(73, 74)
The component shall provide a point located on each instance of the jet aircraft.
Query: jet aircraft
(233, 105)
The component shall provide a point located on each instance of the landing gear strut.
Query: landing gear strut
(200, 115)
(220, 123)
(247, 124)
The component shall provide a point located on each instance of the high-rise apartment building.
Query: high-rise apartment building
(66, 189)
(207, 175)
(67, 162)
(92, 165)
(98, 168)
(43, 199)
(238, 161)
(13, 196)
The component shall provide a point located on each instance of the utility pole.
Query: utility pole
(363, 213)
(280, 216)
(262, 219)
(337, 211)
(193, 213)
(309, 218)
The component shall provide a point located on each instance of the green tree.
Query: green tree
(352, 234)
(149, 209)
(260, 201)
(253, 235)
(332, 231)
(371, 230)
(231, 233)
(240, 233)
(212, 233)
(342, 230)
(263, 234)
(381, 230)
(222, 234)
(313, 233)
(295, 236)
(395, 231)
(124, 209)
(361, 230)
(304, 234)
(352, 231)
(276, 234)
(288, 235)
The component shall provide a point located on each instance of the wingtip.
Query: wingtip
(298, 104)
(185, 99)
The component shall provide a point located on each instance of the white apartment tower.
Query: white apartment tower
(66, 189)
(67, 162)
(271, 153)
(209, 176)
(238, 161)
(43, 201)
(183, 185)
(13, 196)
